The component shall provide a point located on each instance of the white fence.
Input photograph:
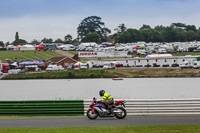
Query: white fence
(158, 106)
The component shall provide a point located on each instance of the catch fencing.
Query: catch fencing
(158, 106)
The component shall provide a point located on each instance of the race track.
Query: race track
(85, 122)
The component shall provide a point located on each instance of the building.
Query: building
(64, 61)
(155, 61)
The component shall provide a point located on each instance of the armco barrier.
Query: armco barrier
(44, 108)
(158, 106)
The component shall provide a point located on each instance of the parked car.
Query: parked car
(18, 70)
(54, 68)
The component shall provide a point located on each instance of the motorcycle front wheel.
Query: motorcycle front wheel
(122, 114)
(92, 115)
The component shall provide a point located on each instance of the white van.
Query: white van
(54, 68)
(196, 64)
(109, 65)
(186, 64)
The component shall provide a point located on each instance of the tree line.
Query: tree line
(176, 32)
(92, 29)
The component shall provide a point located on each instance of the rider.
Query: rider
(107, 99)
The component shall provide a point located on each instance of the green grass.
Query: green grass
(112, 73)
(124, 129)
(185, 53)
(27, 55)
(73, 52)
(63, 75)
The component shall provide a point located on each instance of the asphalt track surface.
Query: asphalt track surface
(85, 122)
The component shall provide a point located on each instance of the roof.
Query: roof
(59, 59)
(151, 58)
(27, 46)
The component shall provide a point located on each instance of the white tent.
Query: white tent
(88, 44)
(14, 64)
(27, 47)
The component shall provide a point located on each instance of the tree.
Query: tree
(121, 28)
(68, 39)
(16, 36)
(45, 40)
(93, 24)
(16, 42)
(191, 27)
(1, 44)
(58, 41)
(191, 35)
(198, 35)
(35, 41)
(92, 37)
(128, 36)
(147, 35)
(134, 35)
(145, 27)
(178, 25)
(124, 37)
(8, 43)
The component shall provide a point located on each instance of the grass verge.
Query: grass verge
(62, 75)
(113, 73)
(124, 129)
(26, 55)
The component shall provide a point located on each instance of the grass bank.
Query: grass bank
(155, 72)
(26, 55)
(113, 73)
(63, 75)
(125, 129)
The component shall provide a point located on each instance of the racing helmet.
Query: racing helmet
(101, 92)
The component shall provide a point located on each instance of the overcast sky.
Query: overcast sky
(36, 19)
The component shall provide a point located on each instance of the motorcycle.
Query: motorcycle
(99, 109)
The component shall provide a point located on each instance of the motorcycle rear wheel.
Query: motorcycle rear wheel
(121, 115)
(92, 115)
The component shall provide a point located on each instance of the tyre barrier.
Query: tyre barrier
(42, 108)
(158, 106)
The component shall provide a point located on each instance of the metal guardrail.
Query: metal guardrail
(42, 108)
(158, 106)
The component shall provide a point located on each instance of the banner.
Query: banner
(103, 54)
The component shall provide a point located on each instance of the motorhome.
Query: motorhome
(141, 52)
(196, 64)
(80, 65)
(69, 47)
(109, 65)
(162, 50)
(186, 64)
(109, 49)
(54, 68)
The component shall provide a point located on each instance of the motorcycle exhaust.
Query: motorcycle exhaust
(117, 111)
